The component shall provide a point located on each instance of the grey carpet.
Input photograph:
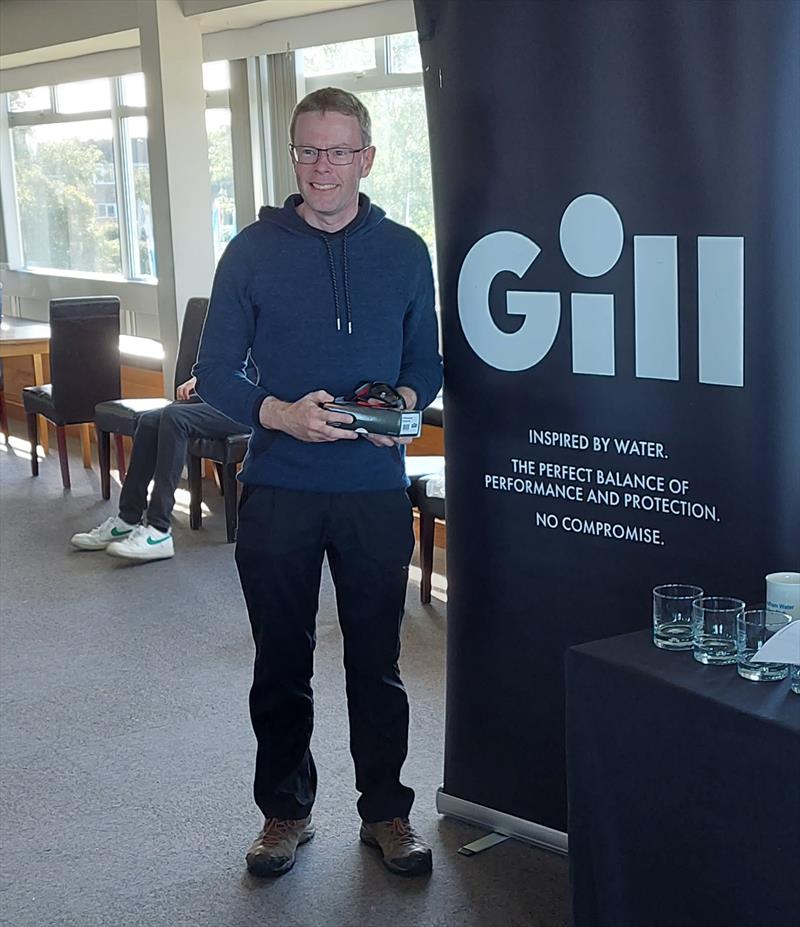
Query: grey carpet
(126, 752)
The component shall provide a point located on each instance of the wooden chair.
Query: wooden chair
(227, 453)
(84, 370)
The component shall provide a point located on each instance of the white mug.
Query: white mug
(783, 593)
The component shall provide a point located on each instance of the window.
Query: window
(81, 177)
(400, 181)
(29, 101)
(56, 167)
(342, 58)
(217, 82)
(133, 138)
(386, 74)
(404, 57)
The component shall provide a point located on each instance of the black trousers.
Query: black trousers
(282, 539)
(159, 453)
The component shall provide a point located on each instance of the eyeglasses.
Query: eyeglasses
(305, 154)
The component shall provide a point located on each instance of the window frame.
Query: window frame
(377, 78)
(123, 178)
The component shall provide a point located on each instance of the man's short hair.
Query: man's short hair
(334, 100)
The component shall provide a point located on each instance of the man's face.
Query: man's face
(330, 191)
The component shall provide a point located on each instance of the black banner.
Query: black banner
(616, 190)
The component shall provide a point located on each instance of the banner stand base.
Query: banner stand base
(501, 823)
(482, 844)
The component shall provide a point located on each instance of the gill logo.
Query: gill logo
(591, 237)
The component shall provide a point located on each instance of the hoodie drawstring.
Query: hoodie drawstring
(332, 267)
(347, 287)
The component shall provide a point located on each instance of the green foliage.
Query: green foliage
(400, 181)
(220, 157)
(55, 190)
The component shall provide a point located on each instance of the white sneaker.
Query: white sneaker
(144, 543)
(112, 529)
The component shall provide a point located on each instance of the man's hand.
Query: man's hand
(410, 399)
(186, 390)
(409, 396)
(305, 419)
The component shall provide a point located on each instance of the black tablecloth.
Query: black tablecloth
(684, 791)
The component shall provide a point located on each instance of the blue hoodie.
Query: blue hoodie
(319, 310)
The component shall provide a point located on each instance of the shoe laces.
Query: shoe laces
(274, 831)
(403, 832)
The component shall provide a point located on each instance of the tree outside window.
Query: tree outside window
(62, 173)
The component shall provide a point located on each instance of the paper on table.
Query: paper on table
(782, 647)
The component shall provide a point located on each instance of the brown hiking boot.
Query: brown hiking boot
(273, 850)
(404, 851)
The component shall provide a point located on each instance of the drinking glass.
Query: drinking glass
(714, 629)
(754, 628)
(672, 616)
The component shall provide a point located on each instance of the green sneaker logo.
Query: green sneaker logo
(152, 542)
(116, 533)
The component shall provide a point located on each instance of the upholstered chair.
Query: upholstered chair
(84, 370)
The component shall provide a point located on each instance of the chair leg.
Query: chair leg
(427, 525)
(33, 437)
(195, 468)
(231, 509)
(3, 414)
(219, 476)
(63, 459)
(86, 446)
(120, 446)
(104, 461)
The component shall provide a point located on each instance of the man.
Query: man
(326, 293)
(159, 453)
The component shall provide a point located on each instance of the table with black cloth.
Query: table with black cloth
(684, 791)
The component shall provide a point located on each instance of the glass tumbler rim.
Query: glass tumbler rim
(659, 591)
(732, 604)
(762, 609)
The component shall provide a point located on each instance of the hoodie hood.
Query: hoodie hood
(367, 218)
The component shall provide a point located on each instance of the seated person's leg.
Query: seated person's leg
(133, 497)
(179, 424)
(141, 467)
(159, 453)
